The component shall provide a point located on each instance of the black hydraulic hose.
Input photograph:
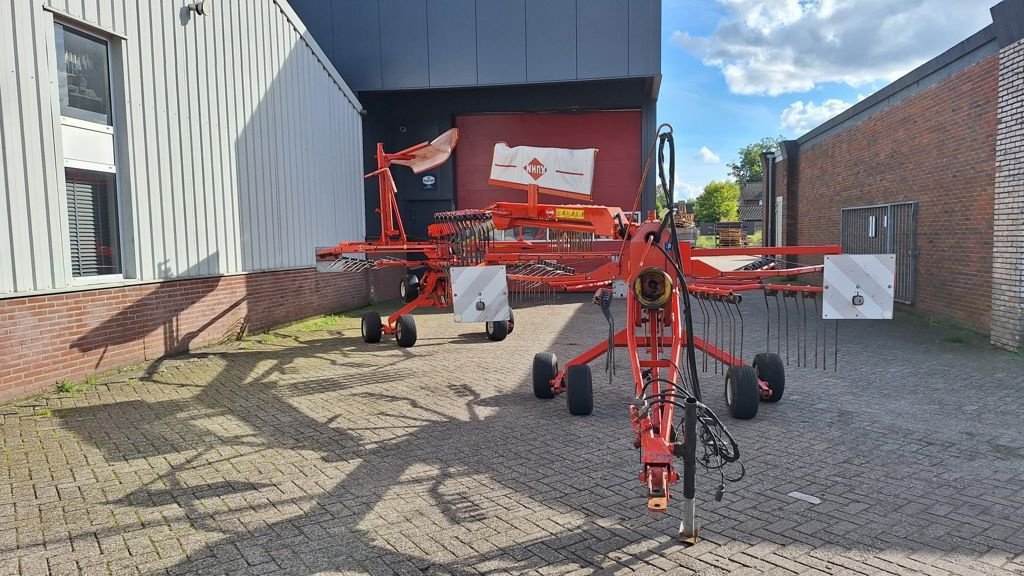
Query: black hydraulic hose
(667, 186)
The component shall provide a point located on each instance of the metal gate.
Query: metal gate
(885, 229)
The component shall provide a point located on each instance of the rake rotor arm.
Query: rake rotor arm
(603, 221)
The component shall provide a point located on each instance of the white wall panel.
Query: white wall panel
(243, 143)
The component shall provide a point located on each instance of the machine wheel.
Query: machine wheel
(371, 327)
(545, 368)
(579, 390)
(498, 329)
(409, 289)
(405, 330)
(511, 321)
(768, 367)
(741, 392)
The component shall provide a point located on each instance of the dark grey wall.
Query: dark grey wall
(399, 44)
(402, 119)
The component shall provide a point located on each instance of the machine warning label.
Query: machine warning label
(569, 213)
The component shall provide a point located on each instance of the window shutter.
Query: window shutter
(82, 217)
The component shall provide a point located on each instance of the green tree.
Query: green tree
(748, 167)
(659, 200)
(718, 202)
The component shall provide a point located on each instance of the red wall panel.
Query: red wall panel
(615, 133)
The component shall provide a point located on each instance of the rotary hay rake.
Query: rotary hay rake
(461, 240)
(659, 277)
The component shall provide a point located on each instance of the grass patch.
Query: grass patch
(325, 322)
(711, 240)
(952, 332)
(266, 338)
(66, 386)
(708, 241)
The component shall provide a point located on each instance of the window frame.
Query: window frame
(110, 177)
(114, 128)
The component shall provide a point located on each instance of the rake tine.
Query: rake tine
(739, 313)
(835, 349)
(786, 304)
(804, 330)
(732, 328)
(719, 328)
(799, 318)
(713, 313)
(778, 324)
(824, 344)
(817, 325)
(768, 322)
(704, 327)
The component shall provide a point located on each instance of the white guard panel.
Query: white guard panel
(479, 294)
(858, 287)
(559, 169)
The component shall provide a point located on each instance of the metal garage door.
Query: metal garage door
(885, 229)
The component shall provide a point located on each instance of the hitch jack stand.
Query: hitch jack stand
(688, 527)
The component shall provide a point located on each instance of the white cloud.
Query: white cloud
(686, 191)
(780, 46)
(799, 118)
(707, 156)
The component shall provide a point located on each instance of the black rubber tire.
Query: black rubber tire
(511, 321)
(497, 330)
(545, 368)
(768, 366)
(409, 288)
(742, 394)
(371, 326)
(405, 330)
(579, 390)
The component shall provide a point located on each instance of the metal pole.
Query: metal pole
(688, 526)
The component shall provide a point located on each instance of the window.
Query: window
(83, 76)
(92, 215)
(90, 166)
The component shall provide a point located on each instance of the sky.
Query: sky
(734, 71)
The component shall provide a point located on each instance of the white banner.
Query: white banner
(559, 169)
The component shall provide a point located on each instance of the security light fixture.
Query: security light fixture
(200, 8)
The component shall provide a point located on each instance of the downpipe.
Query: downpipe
(688, 526)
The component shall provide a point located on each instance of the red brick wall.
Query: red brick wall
(46, 338)
(936, 148)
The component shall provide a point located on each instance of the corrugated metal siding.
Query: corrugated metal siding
(401, 44)
(243, 148)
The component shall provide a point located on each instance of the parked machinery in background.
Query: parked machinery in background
(462, 265)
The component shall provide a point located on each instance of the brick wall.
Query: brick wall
(1008, 229)
(46, 338)
(937, 147)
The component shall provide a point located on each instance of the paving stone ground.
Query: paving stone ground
(310, 452)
